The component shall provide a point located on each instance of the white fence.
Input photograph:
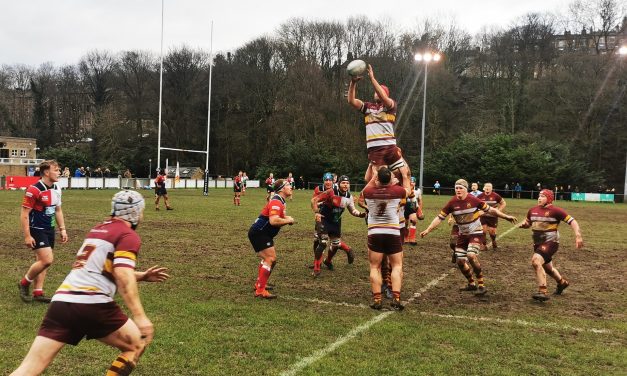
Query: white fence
(119, 183)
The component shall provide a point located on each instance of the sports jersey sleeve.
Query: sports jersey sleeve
(276, 207)
(561, 215)
(126, 250)
(30, 197)
(498, 198)
(446, 210)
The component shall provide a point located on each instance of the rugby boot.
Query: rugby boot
(328, 264)
(41, 299)
(376, 304)
(265, 294)
(397, 305)
(561, 287)
(469, 287)
(269, 287)
(481, 290)
(387, 291)
(157, 208)
(24, 292)
(316, 272)
(169, 208)
(494, 246)
(350, 255)
(541, 296)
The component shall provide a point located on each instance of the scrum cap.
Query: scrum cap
(127, 205)
(548, 194)
(343, 178)
(327, 176)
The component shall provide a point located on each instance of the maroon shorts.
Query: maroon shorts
(385, 243)
(546, 250)
(464, 240)
(70, 322)
(489, 221)
(389, 155)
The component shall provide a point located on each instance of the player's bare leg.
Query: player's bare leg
(268, 260)
(375, 260)
(42, 352)
(473, 259)
(396, 261)
(129, 341)
(386, 278)
(464, 267)
(166, 201)
(562, 283)
(157, 198)
(537, 261)
(370, 173)
(36, 276)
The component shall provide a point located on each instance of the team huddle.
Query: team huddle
(84, 306)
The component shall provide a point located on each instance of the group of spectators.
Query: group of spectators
(82, 172)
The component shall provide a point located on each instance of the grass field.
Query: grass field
(208, 323)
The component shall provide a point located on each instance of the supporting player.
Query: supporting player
(466, 210)
(41, 212)
(384, 236)
(544, 220)
(379, 118)
(488, 221)
(161, 191)
(328, 207)
(413, 213)
(83, 306)
(263, 231)
(238, 186)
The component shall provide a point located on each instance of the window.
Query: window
(13, 152)
(23, 153)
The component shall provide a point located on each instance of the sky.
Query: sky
(61, 31)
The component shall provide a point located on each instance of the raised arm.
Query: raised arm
(387, 101)
(435, 223)
(356, 103)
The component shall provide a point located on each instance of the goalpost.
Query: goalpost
(159, 147)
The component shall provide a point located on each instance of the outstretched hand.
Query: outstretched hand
(512, 219)
(155, 274)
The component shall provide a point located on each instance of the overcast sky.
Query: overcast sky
(61, 31)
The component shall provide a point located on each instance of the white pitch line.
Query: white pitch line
(328, 302)
(507, 232)
(516, 322)
(319, 354)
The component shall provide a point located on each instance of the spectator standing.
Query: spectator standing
(518, 190)
(436, 187)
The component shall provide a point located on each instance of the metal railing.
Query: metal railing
(20, 161)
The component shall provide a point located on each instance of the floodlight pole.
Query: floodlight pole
(625, 187)
(422, 138)
(160, 93)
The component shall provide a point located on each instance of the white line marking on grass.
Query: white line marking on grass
(328, 302)
(319, 354)
(516, 322)
(507, 232)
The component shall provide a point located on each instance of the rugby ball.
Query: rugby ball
(356, 68)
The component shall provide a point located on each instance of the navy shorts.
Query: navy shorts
(71, 322)
(161, 192)
(43, 238)
(332, 229)
(260, 240)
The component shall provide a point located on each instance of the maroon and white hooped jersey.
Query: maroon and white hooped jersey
(544, 221)
(466, 213)
(111, 244)
(493, 200)
(379, 122)
(383, 204)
